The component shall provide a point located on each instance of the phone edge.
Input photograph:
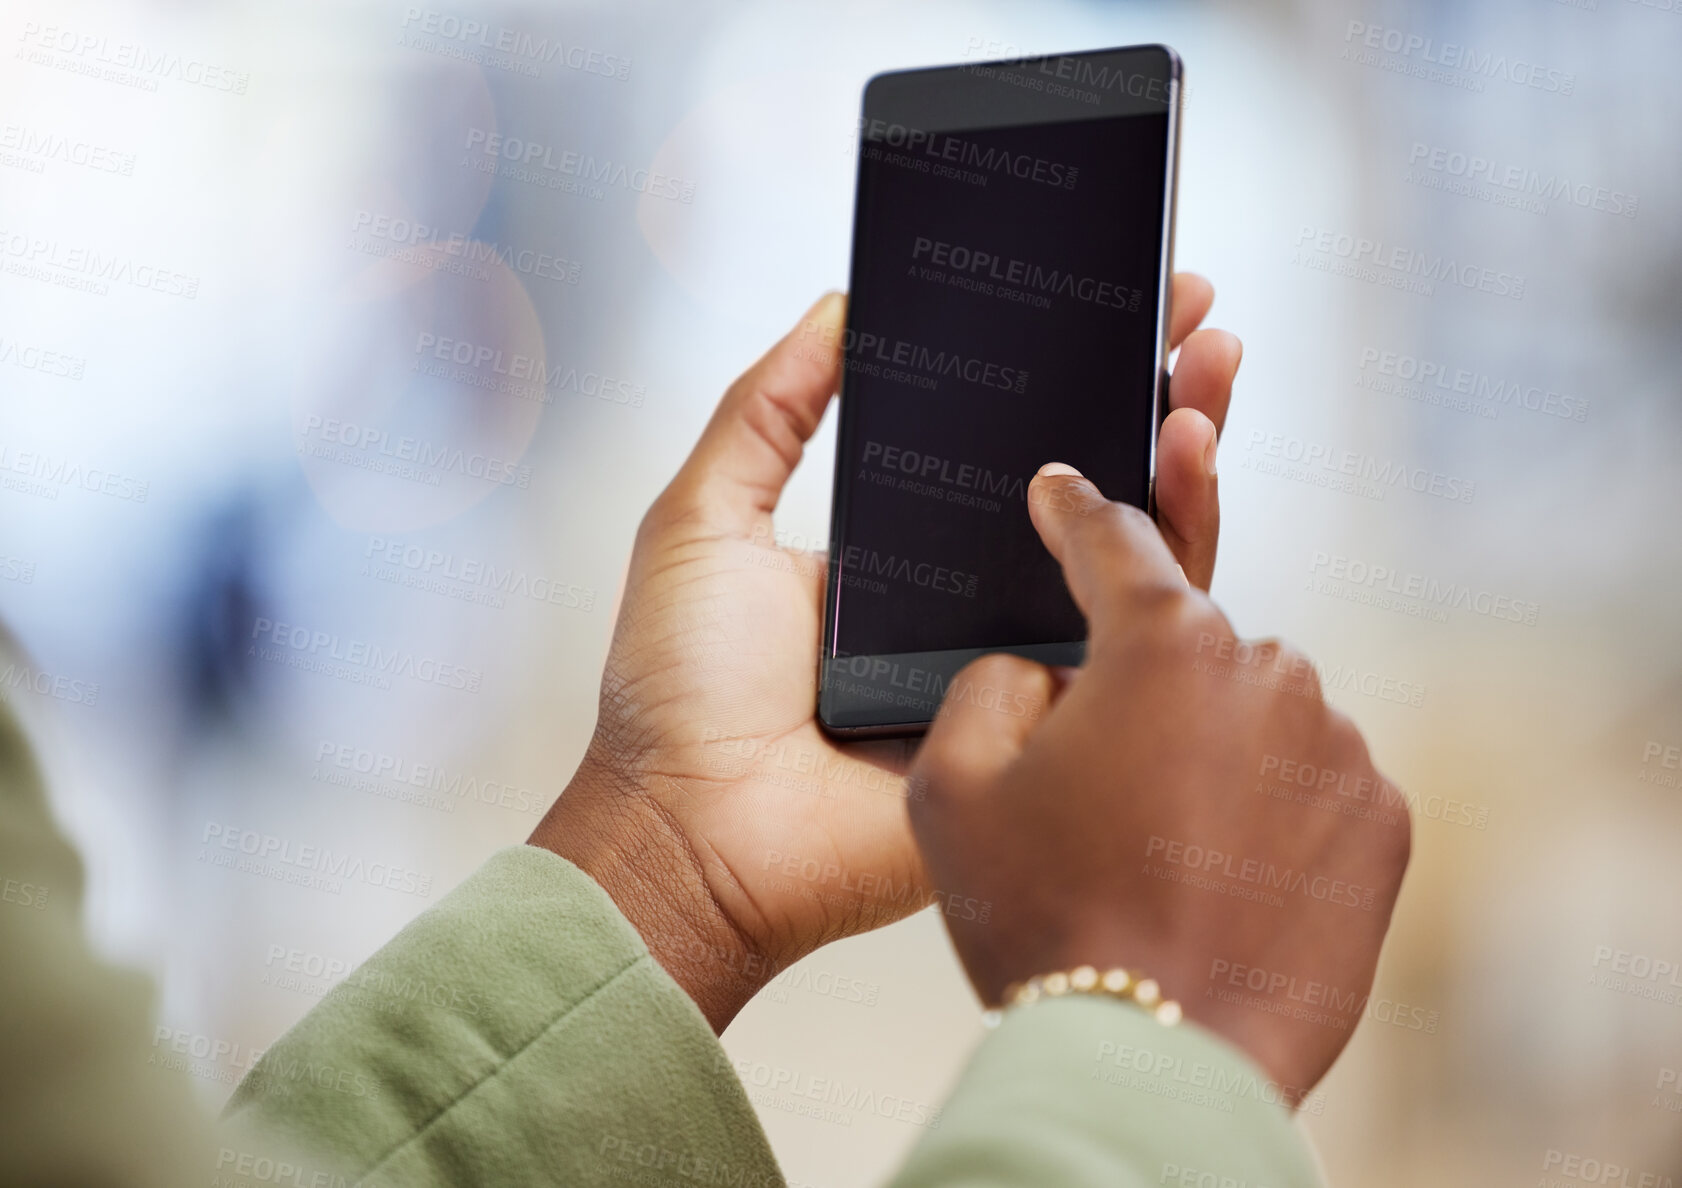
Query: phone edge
(1165, 281)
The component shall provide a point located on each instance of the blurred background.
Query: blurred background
(248, 251)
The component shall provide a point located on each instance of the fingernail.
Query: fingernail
(830, 304)
(1209, 456)
(1055, 469)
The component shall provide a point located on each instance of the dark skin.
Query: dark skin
(1162, 749)
(729, 869)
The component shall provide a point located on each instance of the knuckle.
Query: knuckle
(1078, 496)
(1131, 518)
(1164, 608)
(1346, 736)
(1393, 839)
(1296, 665)
(1002, 683)
(996, 669)
(1112, 519)
(1399, 831)
(670, 508)
(1159, 621)
(1200, 620)
(659, 512)
(1183, 624)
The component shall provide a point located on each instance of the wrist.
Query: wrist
(606, 825)
(1279, 1046)
(1117, 983)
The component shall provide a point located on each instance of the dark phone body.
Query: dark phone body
(1012, 249)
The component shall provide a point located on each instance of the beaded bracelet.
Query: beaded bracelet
(1127, 985)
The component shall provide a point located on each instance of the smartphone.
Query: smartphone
(1013, 240)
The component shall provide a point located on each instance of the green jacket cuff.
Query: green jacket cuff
(518, 1032)
(1085, 1091)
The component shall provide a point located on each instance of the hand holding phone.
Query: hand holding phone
(733, 833)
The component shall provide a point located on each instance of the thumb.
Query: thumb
(991, 709)
(737, 470)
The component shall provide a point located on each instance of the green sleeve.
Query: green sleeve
(520, 1033)
(83, 1098)
(517, 1033)
(1085, 1091)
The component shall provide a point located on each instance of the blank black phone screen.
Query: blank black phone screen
(1003, 314)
